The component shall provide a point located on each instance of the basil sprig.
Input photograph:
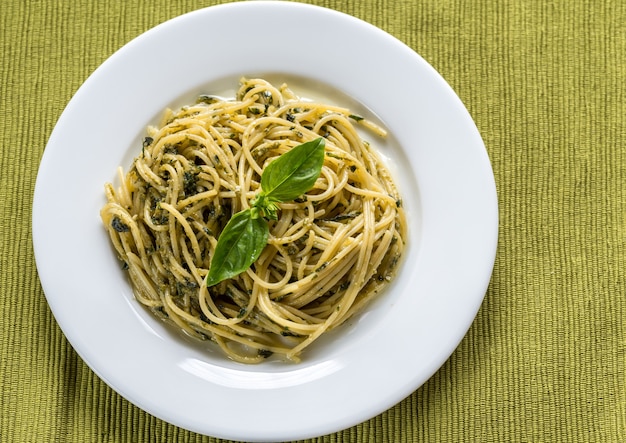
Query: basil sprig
(245, 235)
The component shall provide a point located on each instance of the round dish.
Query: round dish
(350, 375)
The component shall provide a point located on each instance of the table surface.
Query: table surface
(545, 359)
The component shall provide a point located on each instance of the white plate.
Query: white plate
(353, 374)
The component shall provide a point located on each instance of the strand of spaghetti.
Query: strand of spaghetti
(191, 236)
(261, 271)
(156, 268)
(124, 192)
(218, 331)
(364, 255)
(289, 223)
(342, 258)
(148, 294)
(270, 309)
(224, 346)
(295, 233)
(214, 314)
(115, 210)
(344, 272)
(372, 194)
(191, 262)
(297, 316)
(345, 237)
(201, 199)
(147, 219)
(149, 176)
(326, 183)
(314, 336)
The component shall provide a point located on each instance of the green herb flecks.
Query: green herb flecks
(245, 235)
(206, 99)
(190, 180)
(265, 353)
(118, 225)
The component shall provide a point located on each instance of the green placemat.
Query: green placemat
(545, 358)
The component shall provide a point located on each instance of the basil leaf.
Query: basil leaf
(245, 235)
(239, 245)
(294, 172)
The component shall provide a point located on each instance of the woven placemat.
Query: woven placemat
(545, 358)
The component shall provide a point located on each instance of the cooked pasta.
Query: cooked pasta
(329, 253)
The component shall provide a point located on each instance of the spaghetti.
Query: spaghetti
(328, 254)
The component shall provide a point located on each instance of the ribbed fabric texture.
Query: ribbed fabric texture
(545, 360)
